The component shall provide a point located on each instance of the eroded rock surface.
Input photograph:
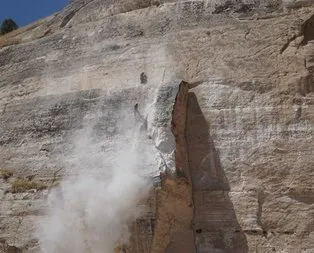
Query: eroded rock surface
(240, 147)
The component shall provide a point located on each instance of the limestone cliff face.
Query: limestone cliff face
(236, 135)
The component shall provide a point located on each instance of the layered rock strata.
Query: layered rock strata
(243, 145)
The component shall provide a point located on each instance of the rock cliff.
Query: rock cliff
(227, 87)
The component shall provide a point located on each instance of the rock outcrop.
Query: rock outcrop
(230, 87)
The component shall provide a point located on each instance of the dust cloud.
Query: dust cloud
(98, 199)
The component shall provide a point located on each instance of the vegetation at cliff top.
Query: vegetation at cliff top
(8, 25)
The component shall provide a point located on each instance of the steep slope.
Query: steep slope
(242, 125)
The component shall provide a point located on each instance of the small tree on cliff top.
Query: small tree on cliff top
(8, 25)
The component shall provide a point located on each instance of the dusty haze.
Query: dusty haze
(91, 211)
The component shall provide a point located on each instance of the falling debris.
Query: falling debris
(140, 118)
(298, 114)
(143, 78)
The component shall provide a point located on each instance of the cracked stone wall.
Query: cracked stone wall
(248, 139)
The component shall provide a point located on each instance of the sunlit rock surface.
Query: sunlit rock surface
(241, 177)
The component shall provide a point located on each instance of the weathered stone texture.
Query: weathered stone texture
(247, 144)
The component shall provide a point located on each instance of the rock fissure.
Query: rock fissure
(174, 209)
(71, 14)
(248, 123)
(286, 45)
(308, 30)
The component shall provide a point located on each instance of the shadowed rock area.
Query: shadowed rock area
(215, 222)
(224, 120)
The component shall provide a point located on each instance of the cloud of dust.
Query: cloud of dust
(95, 203)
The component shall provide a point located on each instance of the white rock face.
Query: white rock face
(247, 137)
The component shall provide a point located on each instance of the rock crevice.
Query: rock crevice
(174, 205)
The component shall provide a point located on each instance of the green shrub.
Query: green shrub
(23, 185)
(5, 174)
(8, 25)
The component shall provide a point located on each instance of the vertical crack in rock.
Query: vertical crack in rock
(307, 84)
(308, 30)
(174, 206)
(303, 41)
